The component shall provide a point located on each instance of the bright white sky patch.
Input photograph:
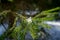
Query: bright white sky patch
(53, 23)
(56, 24)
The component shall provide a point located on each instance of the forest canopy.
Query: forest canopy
(28, 4)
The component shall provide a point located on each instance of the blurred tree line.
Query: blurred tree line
(28, 4)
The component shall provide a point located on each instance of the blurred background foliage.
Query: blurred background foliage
(29, 4)
(48, 10)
